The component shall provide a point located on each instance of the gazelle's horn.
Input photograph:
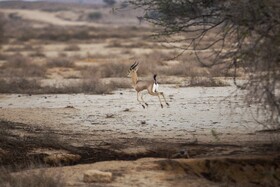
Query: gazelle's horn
(134, 65)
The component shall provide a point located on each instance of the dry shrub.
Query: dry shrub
(19, 85)
(124, 84)
(16, 61)
(32, 86)
(37, 53)
(121, 44)
(72, 47)
(30, 47)
(14, 49)
(55, 34)
(114, 70)
(94, 16)
(151, 63)
(3, 56)
(106, 70)
(60, 62)
(176, 70)
(20, 66)
(92, 71)
(95, 86)
(39, 179)
(207, 82)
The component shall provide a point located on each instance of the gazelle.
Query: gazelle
(140, 85)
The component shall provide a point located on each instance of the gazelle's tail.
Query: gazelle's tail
(155, 85)
(155, 78)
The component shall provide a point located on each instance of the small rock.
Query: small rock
(97, 176)
(69, 106)
(126, 110)
(109, 115)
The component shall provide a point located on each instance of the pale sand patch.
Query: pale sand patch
(46, 17)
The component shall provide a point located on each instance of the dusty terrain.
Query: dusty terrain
(200, 123)
(193, 114)
(81, 113)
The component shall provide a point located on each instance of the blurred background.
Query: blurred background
(74, 46)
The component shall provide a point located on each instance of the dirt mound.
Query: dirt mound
(229, 171)
(256, 171)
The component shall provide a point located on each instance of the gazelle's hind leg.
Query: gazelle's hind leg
(156, 94)
(138, 93)
(161, 93)
(160, 100)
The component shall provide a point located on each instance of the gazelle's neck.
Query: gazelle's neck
(134, 78)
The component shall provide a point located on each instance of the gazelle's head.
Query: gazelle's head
(133, 69)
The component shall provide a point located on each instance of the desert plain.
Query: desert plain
(67, 106)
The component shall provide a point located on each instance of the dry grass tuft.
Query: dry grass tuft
(60, 62)
(106, 70)
(20, 66)
(95, 86)
(20, 85)
(72, 47)
(207, 82)
(39, 179)
(37, 53)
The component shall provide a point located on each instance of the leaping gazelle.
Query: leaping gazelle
(140, 85)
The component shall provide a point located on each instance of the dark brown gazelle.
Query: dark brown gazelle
(140, 85)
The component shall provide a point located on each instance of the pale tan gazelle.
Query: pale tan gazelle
(140, 85)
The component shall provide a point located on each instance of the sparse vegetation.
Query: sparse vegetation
(60, 62)
(106, 70)
(207, 82)
(20, 66)
(72, 47)
(40, 179)
(33, 86)
(20, 85)
(94, 16)
(109, 2)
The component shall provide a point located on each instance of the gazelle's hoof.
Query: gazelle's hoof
(161, 105)
(143, 106)
(146, 104)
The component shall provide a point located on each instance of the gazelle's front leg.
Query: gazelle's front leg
(138, 94)
(143, 100)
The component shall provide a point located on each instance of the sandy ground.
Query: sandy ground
(195, 114)
(47, 18)
(216, 129)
